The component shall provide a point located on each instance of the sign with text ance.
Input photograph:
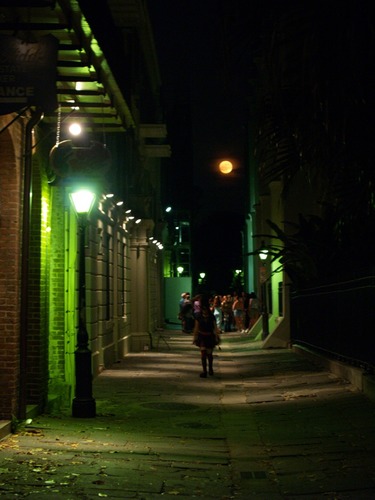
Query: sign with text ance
(27, 73)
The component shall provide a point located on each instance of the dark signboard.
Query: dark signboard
(27, 73)
(26, 3)
(68, 160)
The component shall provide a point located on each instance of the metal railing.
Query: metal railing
(337, 318)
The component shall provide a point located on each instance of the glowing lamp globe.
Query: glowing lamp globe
(263, 254)
(75, 129)
(83, 201)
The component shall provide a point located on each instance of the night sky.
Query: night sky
(205, 56)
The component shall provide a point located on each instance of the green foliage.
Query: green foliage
(14, 424)
(306, 251)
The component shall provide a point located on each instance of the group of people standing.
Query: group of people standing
(237, 312)
(207, 316)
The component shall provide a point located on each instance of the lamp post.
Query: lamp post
(263, 254)
(83, 403)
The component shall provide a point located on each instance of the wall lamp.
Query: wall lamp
(180, 270)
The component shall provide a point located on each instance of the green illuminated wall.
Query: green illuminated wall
(37, 283)
(62, 297)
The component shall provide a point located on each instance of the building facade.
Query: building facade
(110, 86)
(313, 206)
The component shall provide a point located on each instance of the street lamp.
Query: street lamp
(180, 270)
(83, 403)
(263, 254)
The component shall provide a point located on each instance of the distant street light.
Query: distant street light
(83, 404)
(263, 254)
(180, 270)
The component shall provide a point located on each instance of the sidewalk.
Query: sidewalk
(268, 425)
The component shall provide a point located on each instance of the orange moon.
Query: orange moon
(225, 167)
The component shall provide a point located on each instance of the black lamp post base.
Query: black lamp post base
(84, 408)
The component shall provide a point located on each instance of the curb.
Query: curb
(6, 425)
(361, 380)
(5, 428)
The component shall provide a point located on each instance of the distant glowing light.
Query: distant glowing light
(263, 254)
(225, 167)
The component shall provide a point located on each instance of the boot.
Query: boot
(204, 366)
(210, 364)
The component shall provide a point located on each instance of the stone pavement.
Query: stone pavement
(269, 424)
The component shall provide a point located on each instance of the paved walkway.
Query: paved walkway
(268, 425)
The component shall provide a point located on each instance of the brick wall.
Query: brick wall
(37, 335)
(57, 296)
(10, 234)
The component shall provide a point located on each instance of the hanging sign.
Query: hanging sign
(68, 160)
(28, 73)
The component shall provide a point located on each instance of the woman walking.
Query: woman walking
(206, 335)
